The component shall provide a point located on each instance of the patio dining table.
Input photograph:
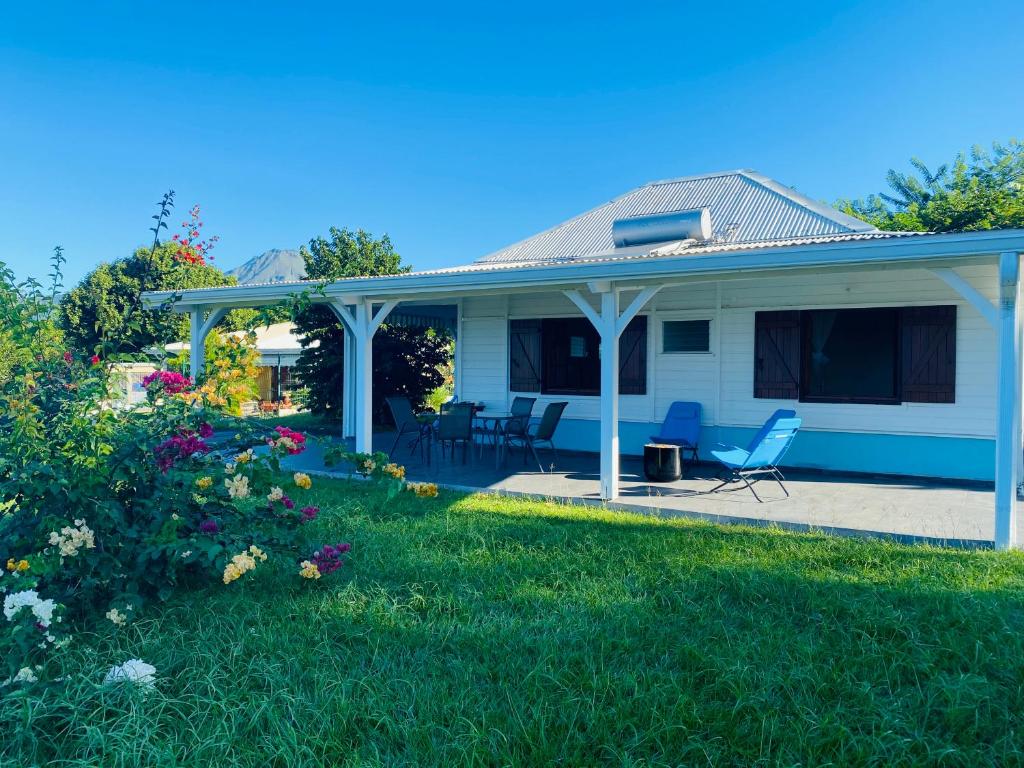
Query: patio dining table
(498, 422)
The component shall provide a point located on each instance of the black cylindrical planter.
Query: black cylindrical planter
(661, 463)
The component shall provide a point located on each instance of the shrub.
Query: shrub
(102, 509)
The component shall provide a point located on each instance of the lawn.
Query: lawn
(472, 630)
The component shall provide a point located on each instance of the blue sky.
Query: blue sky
(459, 129)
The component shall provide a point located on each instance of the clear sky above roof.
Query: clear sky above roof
(459, 130)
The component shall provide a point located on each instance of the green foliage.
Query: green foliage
(479, 630)
(981, 191)
(105, 305)
(406, 360)
(113, 508)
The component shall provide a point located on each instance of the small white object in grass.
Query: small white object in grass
(132, 671)
(24, 675)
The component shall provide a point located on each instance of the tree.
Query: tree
(981, 191)
(105, 305)
(407, 360)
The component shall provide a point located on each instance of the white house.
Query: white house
(900, 351)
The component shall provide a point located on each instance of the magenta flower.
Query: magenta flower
(309, 514)
(167, 381)
(179, 447)
(288, 503)
(328, 558)
(205, 430)
(209, 526)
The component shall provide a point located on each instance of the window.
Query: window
(561, 356)
(686, 336)
(887, 355)
(849, 355)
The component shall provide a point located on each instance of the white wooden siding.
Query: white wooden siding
(724, 377)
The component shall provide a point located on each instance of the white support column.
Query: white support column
(362, 323)
(1007, 402)
(610, 325)
(609, 395)
(348, 410)
(199, 329)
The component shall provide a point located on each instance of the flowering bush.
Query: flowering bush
(377, 467)
(103, 510)
(192, 248)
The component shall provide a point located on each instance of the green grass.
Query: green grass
(472, 630)
(304, 422)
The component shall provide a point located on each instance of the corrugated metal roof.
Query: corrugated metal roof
(745, 207)
(632, 253)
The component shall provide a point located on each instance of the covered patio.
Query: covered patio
(910, 510)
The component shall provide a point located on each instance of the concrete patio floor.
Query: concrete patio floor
(906, 509)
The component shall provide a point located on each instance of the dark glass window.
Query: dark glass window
(850, 355)
(686, 336)
(562, 356)
(570, 362)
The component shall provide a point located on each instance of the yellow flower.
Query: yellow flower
(117, 617)
(302, 480)
(258, 553)
(242, 563)
(369, 465)
(204, 482)
(18, 566)
(308, 570)
(243, 457)
(423, 490)
(395, 471)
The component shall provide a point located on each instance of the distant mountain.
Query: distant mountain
(273, 266)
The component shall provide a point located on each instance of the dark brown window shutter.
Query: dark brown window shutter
(633, 357)
(777, 355)
(928, 350)
(524, 355)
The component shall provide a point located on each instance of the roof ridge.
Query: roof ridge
(819, 209)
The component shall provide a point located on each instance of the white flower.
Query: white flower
(25, 675)
(29, 598)
(276, 494)
(238, 486)
(229, 468)
(186, 553)
(71, 540)
(117, 617)
(132, 671)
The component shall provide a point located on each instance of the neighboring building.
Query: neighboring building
(898, 350)
(279, 350)
(127, 378)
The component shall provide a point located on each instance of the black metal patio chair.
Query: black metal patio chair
(406, 423)
(543, 432)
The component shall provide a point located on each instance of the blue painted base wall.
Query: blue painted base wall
(961, 458)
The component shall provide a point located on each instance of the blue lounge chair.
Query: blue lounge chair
(761, 458)
(681, 427)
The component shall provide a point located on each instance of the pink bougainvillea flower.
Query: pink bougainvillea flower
(328, 558)
(68, 358)
(95, 359)
(179, 447)
(169, 382)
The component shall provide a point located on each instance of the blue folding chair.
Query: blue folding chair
(761, 458)
(681, 427)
